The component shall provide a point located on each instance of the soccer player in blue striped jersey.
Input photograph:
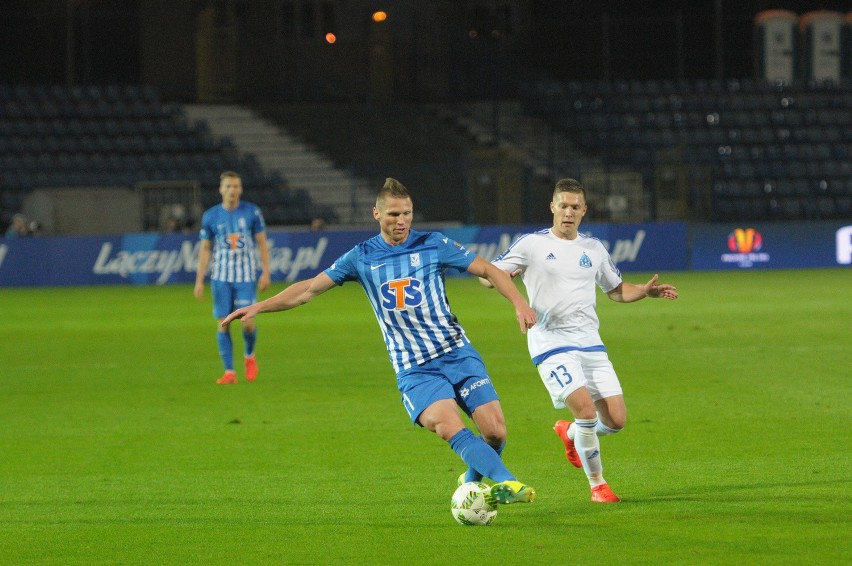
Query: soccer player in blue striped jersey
(236, 233)
(437, 368)
(560, 269)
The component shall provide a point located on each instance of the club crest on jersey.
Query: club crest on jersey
(585, 261)
(401, 294)
(414, 259)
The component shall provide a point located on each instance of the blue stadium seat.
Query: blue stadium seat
(825, 207)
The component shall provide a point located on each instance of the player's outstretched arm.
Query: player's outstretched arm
(500, 280)
(485, 282)
(661, 291)
(295, 295)
(629, 292)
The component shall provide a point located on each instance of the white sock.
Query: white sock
(589, 448)
(604, 430)
(601, 429)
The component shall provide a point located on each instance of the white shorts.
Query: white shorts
(564, 373)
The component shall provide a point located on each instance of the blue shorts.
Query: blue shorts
(228, 297)
(459, 374)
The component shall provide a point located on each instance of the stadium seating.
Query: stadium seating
(733, 136)
(122, 135)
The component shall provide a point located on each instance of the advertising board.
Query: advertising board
(157, 259)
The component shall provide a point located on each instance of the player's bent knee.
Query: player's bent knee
(445, 430)
(615, 422)
(582, 411)
(492, 429)
(581, 405)
(495, 438)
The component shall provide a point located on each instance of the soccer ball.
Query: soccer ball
(469, 506)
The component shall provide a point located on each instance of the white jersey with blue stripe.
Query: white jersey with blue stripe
(560, 278)
(405, 286)
(232, 234)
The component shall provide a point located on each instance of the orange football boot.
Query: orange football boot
(603, 494)
(561, 428)
(229, 377)
(251, 368)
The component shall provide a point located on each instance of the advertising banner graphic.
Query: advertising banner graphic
(157, 259)
(770, 245)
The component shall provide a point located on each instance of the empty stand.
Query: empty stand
(732, 135)
(122, 136)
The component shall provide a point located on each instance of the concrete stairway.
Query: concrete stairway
(547, 153)
(303, 168)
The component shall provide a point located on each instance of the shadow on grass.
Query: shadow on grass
(717, 493)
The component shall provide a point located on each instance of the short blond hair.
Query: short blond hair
(391, 189)
(229, 175)
(568, 185)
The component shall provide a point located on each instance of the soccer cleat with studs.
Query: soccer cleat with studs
(228, 378)
(561, 429)
(251, 368)
(509, 491)
(603, 494)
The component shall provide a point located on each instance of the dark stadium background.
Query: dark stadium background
(387, 97)
(152, 41)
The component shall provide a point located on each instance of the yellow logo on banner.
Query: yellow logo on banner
(745, 240)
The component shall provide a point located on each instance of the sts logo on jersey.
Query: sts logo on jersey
(236, 241)
(400, 294)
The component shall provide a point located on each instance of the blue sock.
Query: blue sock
(478, 455)
(473, 475)
(249, 339)
(226, 349)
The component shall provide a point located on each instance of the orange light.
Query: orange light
(380, 16)
(330, 37)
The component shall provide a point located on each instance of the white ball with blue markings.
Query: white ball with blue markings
(469, 506)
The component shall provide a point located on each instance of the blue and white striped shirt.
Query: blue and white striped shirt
(405, 286)
(232, 233)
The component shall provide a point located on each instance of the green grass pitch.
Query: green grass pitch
(116, 446)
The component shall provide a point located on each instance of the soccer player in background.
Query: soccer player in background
(236, 231)
(560, 268)
(437, 368)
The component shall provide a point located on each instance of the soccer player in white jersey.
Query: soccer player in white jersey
(437, 369)
(236, 232)
(560, 268)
